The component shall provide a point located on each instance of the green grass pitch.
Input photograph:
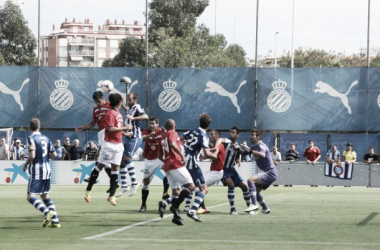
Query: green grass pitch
(300, 218)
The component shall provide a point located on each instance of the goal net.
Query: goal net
(7, 134)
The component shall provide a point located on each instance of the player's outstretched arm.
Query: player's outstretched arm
(87, 126)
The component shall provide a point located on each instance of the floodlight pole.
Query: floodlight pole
(146, 58)
(368, 26)
(39, 60)
(255, 82)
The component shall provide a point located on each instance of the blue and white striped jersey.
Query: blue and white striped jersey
(231, 154)
(135, 111)
(196, 141)
(39, 169)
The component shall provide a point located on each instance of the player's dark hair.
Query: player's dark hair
(258, 133)
(215, 131)
(97, 95)
(34, 124)
(204, 120)
(310, 141)
(153, 118)
(115, 99)
(235, 128)
(133, 95)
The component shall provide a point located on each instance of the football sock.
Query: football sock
(168, 201)
(144, 194)
(199, 197)
(203, 204)
(39, 205)
(183, 195)
(108, 171)
(174, 201)
(123, 176)
(231, 197)
(188, 200)
(93, 178)
(50, 205)
(252, 192)
(131, 172)
(260, 199)
(113, 182)
(247, 197)
(166, 184)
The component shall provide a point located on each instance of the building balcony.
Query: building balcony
(81, 53)
(81, 41)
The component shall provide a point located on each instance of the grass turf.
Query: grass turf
(300, 218)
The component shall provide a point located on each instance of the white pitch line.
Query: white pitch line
(248, 241)
(138, 224)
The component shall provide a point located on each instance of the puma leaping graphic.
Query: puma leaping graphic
(326, 88)
(15, 94)
(214, 87)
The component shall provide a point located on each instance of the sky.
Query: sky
(331, 25)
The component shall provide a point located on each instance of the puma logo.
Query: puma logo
(15, 94)
(323, 87)
(214, 87)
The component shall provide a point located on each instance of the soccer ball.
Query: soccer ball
(125, 80)
(107, 86)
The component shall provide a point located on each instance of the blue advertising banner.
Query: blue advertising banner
(313, 99)
(66, 93)
(226, 94)
(309, 99)
(18, 95)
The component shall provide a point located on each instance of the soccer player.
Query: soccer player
(216, 169)
(152, 138)
(40, 148)
(263, 180)
(176, 172)
(231, 177)
(135, 114)
(113, 148)
(98, 113)
(196, 140)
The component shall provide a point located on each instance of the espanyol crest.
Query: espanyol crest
(61, 98)
(169, 99)
(279, 100)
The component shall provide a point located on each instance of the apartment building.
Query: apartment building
(77, 44)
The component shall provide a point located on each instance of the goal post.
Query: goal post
(6, 133)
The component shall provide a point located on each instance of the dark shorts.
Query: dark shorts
(197, 175)
(233, 175)
(38, 186)
(131, 146)
(267, 178)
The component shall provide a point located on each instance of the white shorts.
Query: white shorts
(101, 135)
(111, 153)
(178, 177)
(212, 177)
(151, 166)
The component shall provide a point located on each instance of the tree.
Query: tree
(375, 62)
(180, 15)
(132, 54)
(2, 60)
(311, 58)
(175, 41)
(17, 43)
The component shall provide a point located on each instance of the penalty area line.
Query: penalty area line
(137, 224)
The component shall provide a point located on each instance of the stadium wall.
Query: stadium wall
(322, 99)
(299, 173)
